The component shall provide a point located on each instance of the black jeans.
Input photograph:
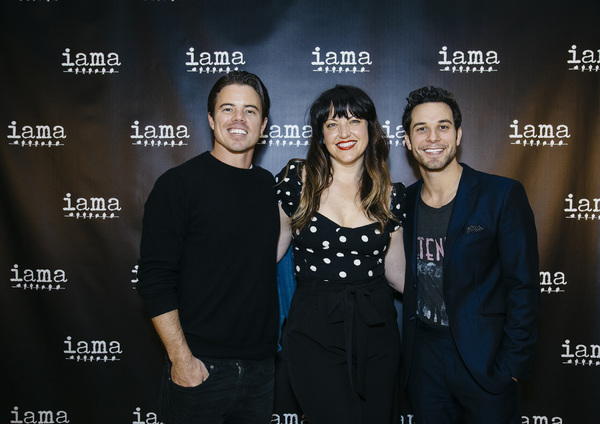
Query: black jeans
(236, 392)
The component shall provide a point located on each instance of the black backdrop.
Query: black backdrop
(100, 97)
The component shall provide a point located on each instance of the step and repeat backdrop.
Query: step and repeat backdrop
(100, 97)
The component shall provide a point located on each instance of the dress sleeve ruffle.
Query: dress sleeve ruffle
(289, 186)
(398, 204)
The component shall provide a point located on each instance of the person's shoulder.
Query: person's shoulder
(489, 179)
(193, 164)
(399, 187)
(188, 170)
(413, 188)
(289, 186)
(414, 185)
(291, 172)
(398, 192)
(263, 174)
(398, 201)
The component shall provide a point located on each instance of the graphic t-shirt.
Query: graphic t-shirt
(432, 225)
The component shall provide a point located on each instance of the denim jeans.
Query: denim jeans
(236, 392)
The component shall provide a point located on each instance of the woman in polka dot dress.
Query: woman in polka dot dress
(343, 215)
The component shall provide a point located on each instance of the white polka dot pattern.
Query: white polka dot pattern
(325, 250)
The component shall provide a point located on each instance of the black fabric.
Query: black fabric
(327, 251)
(343, 350)
(342, 340)
(209, 249)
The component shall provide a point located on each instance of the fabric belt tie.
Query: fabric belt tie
(354, 308)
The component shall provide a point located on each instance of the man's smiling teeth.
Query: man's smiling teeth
(434, 150)
(237, 131)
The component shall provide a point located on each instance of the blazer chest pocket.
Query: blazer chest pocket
(474, 233)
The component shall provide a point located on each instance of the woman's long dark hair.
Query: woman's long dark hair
(375, 182)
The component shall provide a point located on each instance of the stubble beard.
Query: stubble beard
(436, 165)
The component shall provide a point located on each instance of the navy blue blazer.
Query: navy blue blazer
(491, 278)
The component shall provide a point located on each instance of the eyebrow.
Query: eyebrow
(438, 122)
(231, 104)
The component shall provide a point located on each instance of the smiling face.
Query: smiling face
(433, 138)
(237, 123)
(346, 139)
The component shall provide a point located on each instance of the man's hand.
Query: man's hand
(189, 373)
(186, 369)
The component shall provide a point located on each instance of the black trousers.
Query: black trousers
(236, 392)
(342, 346)
(442, 391)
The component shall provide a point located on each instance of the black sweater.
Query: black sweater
(209, 249)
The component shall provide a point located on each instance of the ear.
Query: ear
(458, 136)
(211, 122)
(264, 125)
(407, 141)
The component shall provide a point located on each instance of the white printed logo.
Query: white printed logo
(552, 282)
(541, 419)
(288, 418)
(91, 63)
(35, 136)
(582, 209)
(542, 135)
(293, 135)
(581, 355)
(38, 279)
(92, 208)
(473, 61)
(92, 351)
(149, 418)
(159, 135)
(41, 417)
(287, 135)
(346, 61)
(589, 61)
(214, 63)
(395, 134)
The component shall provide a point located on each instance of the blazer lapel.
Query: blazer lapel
(466, 196)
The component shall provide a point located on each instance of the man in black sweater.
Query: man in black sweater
(207, 268)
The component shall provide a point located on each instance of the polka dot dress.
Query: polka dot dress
(324, 250)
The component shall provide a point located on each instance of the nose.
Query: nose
(433, 135)
(238, 115)
(344, 130)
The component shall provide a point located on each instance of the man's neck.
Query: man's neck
(440, 187)
(241, 160)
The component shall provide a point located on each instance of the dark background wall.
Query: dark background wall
(90, 89)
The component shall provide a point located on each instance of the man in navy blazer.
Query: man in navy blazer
(472, 294)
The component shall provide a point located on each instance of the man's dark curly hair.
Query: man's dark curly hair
(430, 95)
